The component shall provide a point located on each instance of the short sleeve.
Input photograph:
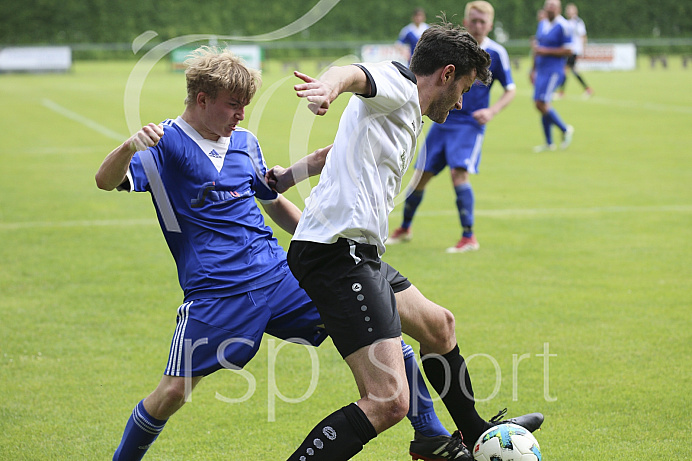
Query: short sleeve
(136, 174)
(263, 192)
(390, 88)
(502, 72)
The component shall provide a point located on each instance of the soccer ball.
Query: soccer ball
(507, 442)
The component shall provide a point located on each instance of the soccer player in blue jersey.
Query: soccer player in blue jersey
(335, 251)
(551, 47)
(204, 173)
(458, 141)
(410, 34)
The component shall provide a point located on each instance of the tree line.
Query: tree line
(108, 21)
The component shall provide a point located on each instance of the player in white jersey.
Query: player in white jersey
(335, 252)
(457, 143)
(578, 45)
(204, 173)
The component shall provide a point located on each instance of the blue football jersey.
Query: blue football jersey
(410, 35)
(478, 96)
(556, 34)
(223, 246)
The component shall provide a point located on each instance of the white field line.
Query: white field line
(87, 122)
(88, 223)
(509, 213)
(529, 212)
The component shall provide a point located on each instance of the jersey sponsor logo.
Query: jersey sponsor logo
(216, 193)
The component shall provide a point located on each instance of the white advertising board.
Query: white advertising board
(35, 59)
(377, 53)
(604, 56)
(251, 54)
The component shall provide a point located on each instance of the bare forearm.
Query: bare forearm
(558, 52)
(321, 93)
(504, 101)
(113, 170)
(284, 213)
(310, 165)
(282, 179)
(114, 167)
(347, 79)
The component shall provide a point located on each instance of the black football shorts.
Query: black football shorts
(350, 288)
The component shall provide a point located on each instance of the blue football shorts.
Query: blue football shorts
(456, 146)
(215, 333)
(546, 84)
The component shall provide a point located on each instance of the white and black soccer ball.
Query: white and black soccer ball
(507, 442)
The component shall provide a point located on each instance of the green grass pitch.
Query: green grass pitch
(578, 304)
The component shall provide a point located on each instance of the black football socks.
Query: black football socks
(456, 393)
(339, 436)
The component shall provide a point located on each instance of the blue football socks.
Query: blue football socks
(547, 120)
(465, 204)
(555, 118)
(140, 432)
(410, 207)
(421, 413)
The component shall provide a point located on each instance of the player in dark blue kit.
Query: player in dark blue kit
(457, 142)
(410, 34)
(204, 173)
(551, 47)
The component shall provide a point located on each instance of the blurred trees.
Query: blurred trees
(108, 21)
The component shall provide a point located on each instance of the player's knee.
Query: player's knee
(395, 409)
(174, 395)
(446, 330)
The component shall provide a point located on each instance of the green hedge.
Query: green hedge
(108, 21)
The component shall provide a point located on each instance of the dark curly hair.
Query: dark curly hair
(447, 43)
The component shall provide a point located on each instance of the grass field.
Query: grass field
(578, 304)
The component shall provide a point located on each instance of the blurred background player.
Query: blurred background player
(457, 142)
(551, 47)
(578, 46)
(411, 33)
(540, 15)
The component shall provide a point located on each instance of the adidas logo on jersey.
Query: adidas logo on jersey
(214, 154)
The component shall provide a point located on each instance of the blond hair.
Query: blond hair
(211, 69)
(482, 6)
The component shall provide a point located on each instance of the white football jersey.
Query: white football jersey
(373, 148)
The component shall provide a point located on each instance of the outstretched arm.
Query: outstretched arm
(284, 213)
(562, 51)
(114, 167)
(485, 115)
(281, 179)
(320, 93)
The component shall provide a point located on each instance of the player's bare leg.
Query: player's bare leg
(433, 327)
(381, 378)
(170, 395)
(151, 414)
